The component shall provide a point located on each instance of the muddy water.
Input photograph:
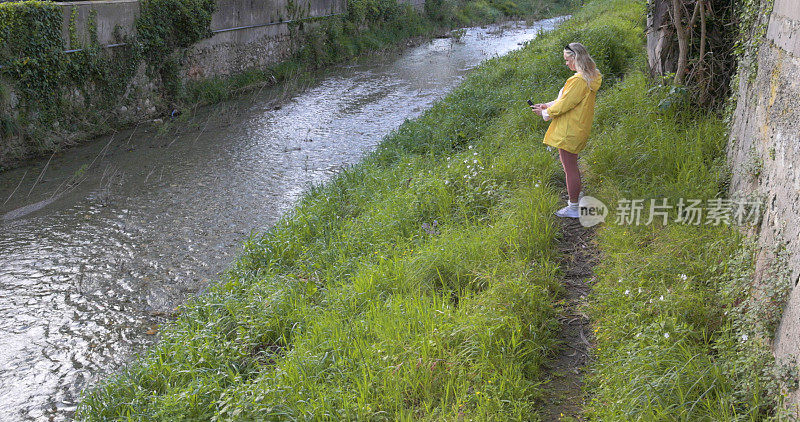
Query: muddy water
(99, 244)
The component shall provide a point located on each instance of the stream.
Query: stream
(99, 244)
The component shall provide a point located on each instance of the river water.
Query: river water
(99, 244)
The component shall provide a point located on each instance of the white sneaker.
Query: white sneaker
(569, 212)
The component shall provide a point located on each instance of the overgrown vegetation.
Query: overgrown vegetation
(753, 17)
(706, 46)
(32, 61)
(682, 334)
(695, 46)
(165, 27)
(54, 92)
(418, 284)
(31, 54)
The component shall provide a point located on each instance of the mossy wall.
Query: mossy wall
(764, 153)
(71, 71)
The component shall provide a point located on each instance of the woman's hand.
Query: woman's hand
(537, 108)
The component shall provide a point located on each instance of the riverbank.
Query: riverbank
(420, 283)
(129, 227)
(423, 283)
(69, 99)
(681, 331)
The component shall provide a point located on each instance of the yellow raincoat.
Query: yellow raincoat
(572, 114)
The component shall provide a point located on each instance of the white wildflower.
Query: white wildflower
(666, 335)
(627, 292)
(744, 337)
(661, 298)
(684, 277)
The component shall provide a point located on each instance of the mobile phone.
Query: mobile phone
(530, 103)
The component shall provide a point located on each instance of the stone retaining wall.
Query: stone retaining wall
(764, 152)
(247, 33)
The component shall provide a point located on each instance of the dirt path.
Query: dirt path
(564, 395)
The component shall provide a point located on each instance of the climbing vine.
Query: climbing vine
(165, 26)
(31, 53)
(73, 33)
(753, 20)
(40, 74)
(41, 84)
(753, 16)
(372, 11)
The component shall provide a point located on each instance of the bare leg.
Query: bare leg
(570, 163)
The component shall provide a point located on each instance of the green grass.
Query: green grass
(681, 334)
(420, 284)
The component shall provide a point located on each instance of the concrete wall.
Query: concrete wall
(110, 13)
(232, 50)
(766, 135)
(262, 37)
(247, 33)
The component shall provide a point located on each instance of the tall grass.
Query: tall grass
(418, 284)
(681, 333)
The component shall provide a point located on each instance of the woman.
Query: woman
(572, 113)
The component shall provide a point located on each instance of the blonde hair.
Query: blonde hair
(584, 63)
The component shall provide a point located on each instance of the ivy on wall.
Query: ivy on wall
(31, 51)
(753, 20)
(372, 11)
(49, 85)
(165, 26)
(42, 76)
